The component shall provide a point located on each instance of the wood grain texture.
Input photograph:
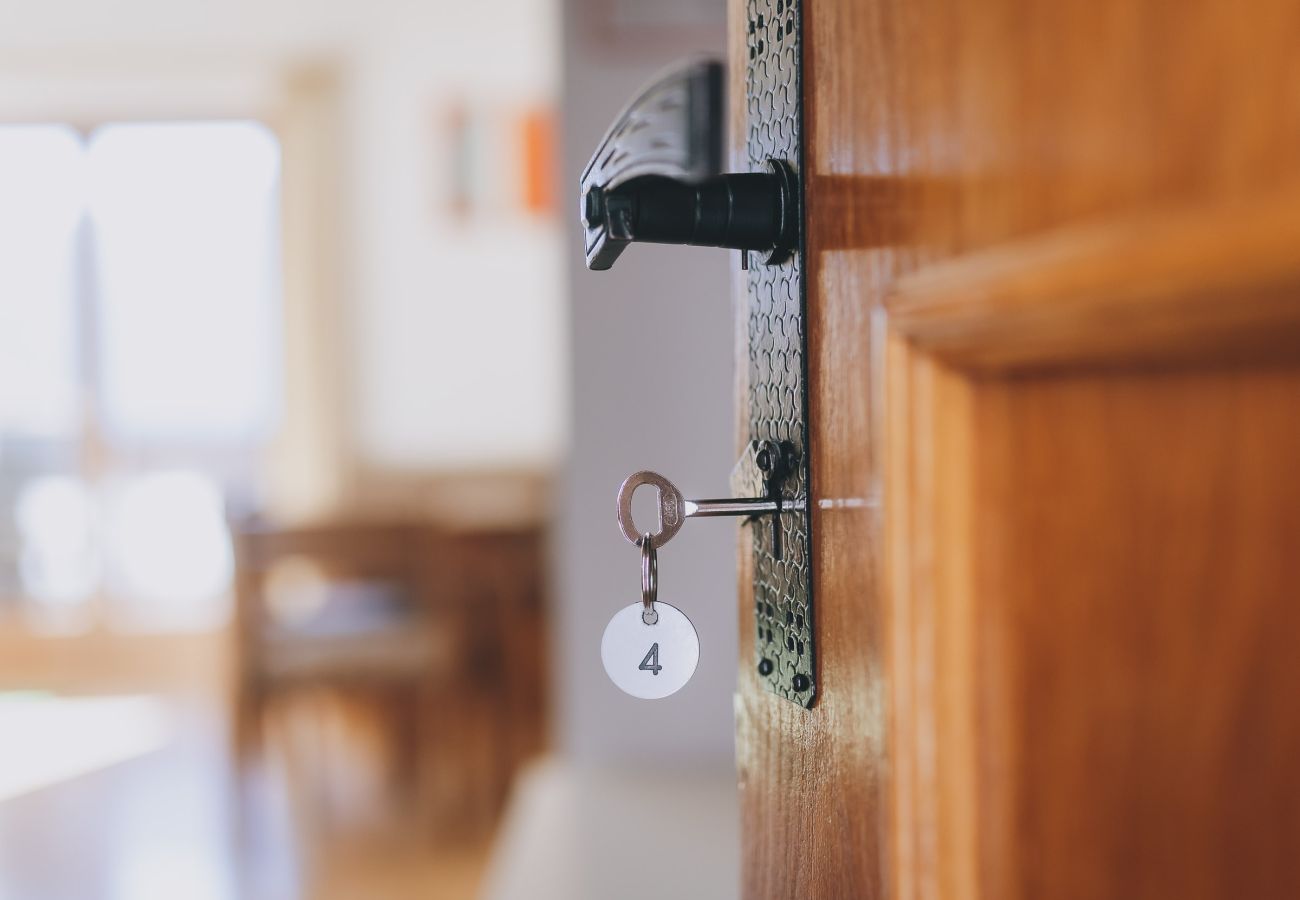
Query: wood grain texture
(1200, 284)
(1056, 664)
(1091, 611)
(1142, 591)
(937, 789)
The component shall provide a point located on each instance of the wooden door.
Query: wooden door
(1053, 278)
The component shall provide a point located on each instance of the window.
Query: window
(139, 363)
(41, 206)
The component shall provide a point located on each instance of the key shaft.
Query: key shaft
(747, 506)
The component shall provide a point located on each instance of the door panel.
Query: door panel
(1054, 372)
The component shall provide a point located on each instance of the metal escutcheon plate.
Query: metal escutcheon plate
(650, 661)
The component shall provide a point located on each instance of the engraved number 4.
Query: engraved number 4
(651, 661)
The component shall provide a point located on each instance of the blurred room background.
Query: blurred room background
(311, 421)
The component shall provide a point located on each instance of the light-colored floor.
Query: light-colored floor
(127, 793)
(135, 799)
(579, 833)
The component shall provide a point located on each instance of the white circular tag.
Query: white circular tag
(650, 661)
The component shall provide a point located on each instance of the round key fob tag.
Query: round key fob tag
(650, 653)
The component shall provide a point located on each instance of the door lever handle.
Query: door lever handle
(656, 178)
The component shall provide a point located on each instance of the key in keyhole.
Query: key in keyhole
(674, 509)
(749, 507)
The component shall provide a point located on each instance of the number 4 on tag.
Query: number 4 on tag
(664, 669)
(651, 661)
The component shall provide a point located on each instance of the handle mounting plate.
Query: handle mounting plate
(777, 384)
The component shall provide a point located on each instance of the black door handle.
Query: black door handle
(655, 178)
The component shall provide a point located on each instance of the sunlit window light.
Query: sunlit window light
(185, 224)
(170, 562)
(140, 261)
(58, 552)
(42, 195)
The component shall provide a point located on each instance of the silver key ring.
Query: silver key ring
(649, 579)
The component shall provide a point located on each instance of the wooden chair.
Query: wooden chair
(446, 638)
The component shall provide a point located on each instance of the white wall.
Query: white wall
(651, 364)
(467, 318)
